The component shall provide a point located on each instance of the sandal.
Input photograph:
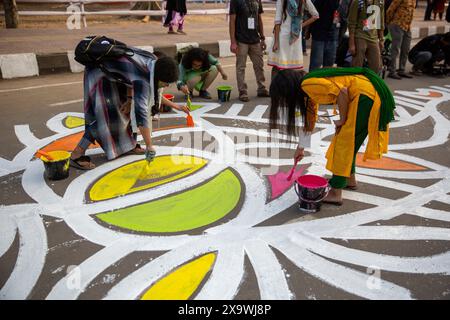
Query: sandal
(136, 151)
(76, 163)
(351, 187)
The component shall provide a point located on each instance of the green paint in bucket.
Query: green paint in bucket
(224, 93)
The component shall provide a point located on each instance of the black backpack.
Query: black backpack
(93, 51)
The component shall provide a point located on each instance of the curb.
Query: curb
(35, 64)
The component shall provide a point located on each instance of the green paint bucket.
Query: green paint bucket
(58, 168)
(224, 93)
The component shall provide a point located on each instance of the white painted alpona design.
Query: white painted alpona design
(303, 241)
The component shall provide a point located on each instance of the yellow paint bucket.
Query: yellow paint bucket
(58, 168)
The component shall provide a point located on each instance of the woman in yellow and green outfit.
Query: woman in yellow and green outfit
(366, 106)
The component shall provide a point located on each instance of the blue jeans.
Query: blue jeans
(323, 53)
(421, 59)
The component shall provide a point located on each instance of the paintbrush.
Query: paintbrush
(144, 173)
(189, 120)
(41, 153)
(291, 173)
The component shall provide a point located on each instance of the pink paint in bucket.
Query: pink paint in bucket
(311, 190)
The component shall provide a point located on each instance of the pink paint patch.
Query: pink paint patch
(279, 183)
(311, 181)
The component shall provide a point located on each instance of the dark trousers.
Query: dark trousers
(421, 60)
(401, 42)
(429, 10)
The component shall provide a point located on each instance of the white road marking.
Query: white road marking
(41, 86)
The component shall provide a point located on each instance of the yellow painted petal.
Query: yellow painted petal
(125, 180)
(73, 122)
(181, 283)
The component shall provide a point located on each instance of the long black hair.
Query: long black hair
(285, 3)
(287, 97)
(166, 70)
(198, 54)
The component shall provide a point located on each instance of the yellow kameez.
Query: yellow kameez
(341, 151)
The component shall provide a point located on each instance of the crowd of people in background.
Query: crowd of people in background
(436, 7)
(355, 25)
(342, 32)
(361, 27)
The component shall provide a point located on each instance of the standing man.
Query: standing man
(325, 33)
(247, 38)
(399, 18)
(366, 29)
(429, 10)
(343, 15)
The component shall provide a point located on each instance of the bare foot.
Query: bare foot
(334, 197)
(351, 182)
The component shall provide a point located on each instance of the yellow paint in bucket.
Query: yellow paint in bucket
(58, 168)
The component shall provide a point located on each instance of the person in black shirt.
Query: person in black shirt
(247, 38)
(324, 34)
(176, 11)
(429, 50)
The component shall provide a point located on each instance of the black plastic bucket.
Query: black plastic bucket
(311, 190)
(58, 168)
(224, 93)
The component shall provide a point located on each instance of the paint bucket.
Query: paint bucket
(169, 97)
(224, 93)
(58, 168)
(311, 190)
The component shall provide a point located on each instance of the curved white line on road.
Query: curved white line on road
(31, 258)
(269, 274)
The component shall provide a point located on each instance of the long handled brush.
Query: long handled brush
(189, 120)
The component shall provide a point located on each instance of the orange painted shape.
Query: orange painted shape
(433, 94)
(189, 121)
(67, 143)
(387, 164)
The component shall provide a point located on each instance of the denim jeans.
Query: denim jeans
(323, 53)
(420, 59)
(401, 42)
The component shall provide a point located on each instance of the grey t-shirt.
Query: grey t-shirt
(245, 9)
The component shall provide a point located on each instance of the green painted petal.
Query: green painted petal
(188, 210)
(196, 106)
